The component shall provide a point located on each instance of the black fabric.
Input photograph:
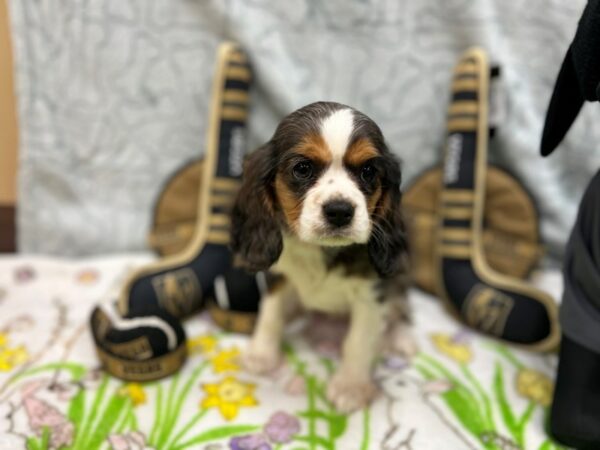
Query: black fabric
(575, 414)
(146, 296)
(580, 309)
(564, 107)
(528, 321)
(237, 84)
(585, 49)
(578, 79)
(114, 335)
(457, 223)
(464, 95)
(241, 288)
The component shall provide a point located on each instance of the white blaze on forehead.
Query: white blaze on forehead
(336, 130)
(335, 183)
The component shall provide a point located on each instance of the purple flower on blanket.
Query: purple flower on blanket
(249, 442)
(395, 362)
(281, 427)
(462, 336)
(24, 274)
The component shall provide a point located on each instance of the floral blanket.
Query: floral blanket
(461, 392)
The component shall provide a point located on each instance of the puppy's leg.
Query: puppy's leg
(400, 339)
(352, 387)
(264, 352)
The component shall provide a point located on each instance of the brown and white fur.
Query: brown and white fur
(320, 204)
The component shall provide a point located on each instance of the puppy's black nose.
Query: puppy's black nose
(338, 213)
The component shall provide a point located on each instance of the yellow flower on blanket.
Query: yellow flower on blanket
(226, 360)
(535, 386)
(203, 344)
(11, 357)
(229, 395)
(458, 351)
(135, 392)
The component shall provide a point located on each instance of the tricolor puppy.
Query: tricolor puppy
(320, 204)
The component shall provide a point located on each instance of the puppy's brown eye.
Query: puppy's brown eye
(303, 170)
(368, 173)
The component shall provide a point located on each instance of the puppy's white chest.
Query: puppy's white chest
(319, 287)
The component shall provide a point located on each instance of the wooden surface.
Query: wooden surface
(8, 120)
(8, 138)
(7, 229)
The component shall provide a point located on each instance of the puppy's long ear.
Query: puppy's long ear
(255, 233)
(387, 245)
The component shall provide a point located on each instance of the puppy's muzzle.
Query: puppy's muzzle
(338, 213)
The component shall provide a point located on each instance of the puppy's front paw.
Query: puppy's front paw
(261, 359)
(349, 394)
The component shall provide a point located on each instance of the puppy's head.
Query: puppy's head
(327, 177)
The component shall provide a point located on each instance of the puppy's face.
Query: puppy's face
(326, 177)
(328, 184)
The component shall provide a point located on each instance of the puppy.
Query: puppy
(320, 204)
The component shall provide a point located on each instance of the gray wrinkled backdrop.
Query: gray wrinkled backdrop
(113, 96)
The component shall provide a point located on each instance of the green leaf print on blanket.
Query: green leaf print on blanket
(69, 406)
(319, 409)
(488, 414)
